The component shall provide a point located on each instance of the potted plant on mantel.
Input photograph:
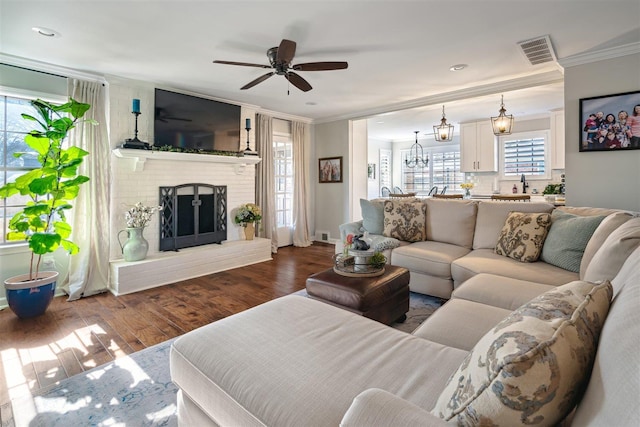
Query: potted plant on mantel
(42, 223)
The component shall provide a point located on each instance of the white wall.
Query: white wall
(600, 179)
(358, 176)
(332, 206)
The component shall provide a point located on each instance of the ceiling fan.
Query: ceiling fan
(280, 58)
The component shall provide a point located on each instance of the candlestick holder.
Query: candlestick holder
(248, 147)
(135, 142)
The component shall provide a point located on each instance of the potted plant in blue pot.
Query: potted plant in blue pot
(42, 222)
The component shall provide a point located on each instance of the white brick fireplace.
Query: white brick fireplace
(137, 176)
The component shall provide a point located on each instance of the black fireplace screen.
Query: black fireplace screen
(193, 215)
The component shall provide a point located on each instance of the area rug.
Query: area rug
(136, 390)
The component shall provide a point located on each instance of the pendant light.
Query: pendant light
(503, 123)
(444, 131)
(416, 155)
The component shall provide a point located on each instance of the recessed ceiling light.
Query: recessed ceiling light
(458, 67)
(380, 122)
(47, 32)
(312, 103)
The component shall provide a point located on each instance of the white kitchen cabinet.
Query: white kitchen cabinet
(557, 139)
(478, 150)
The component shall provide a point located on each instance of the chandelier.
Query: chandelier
(416, 155)
(444, 131)
(503, 123)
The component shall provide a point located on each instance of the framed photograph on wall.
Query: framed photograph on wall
(330, 169)
(610, 123)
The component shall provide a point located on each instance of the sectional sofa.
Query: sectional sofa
(461, 237)
(514, 344)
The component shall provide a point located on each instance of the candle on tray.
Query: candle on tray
(136, 106)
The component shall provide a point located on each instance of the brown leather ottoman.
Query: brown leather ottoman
(383, 298)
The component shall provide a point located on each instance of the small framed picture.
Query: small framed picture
(330, 169)
(371, 171)
(610, 123)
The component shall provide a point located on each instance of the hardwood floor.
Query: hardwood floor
(72, 337)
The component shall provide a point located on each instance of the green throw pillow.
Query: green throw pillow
(372, 215)
(567, 238)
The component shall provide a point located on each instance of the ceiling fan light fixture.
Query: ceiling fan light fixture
(416, 155)
(444, 131)
(503, 123)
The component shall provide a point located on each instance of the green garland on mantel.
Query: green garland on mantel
(172, 149)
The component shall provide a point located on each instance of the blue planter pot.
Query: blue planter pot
(30, 298)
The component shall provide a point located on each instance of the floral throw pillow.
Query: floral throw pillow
(405, 220)
(532, 368)
(522, 236)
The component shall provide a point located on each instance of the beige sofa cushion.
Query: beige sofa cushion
(433, 258)
(491, 218)
(523, 235)
(451, 221)
(375, 407)
(529, 369)
(587, 211)
(298, 362)
(499, 291)
(460, 323)
(606, 227)
(611, 398)
(614, 252)
(405, 220)
(487, 261)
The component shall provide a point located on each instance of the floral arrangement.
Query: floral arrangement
(247, 214)
(348, 242)
(466, 185)
(140, 215)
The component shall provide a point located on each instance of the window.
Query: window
(524, 153)
(13, 129)
(283, 169)
(443, 170)
(385, 169)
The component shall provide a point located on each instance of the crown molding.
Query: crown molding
(284, 116)
(540, 79)
(600, 55)
(45, 67)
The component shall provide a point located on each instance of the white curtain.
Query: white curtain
(89, 269)
(265, 187)
(301, 141)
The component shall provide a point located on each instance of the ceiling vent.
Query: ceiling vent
(538, 50)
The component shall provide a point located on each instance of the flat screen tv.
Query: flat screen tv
(191, 123)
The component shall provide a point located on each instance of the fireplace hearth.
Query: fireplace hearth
(194, 214)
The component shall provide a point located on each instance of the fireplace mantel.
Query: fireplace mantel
(141, 156)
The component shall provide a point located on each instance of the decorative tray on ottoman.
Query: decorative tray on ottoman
(356, 264)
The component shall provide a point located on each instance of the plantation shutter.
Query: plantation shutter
(524, 156)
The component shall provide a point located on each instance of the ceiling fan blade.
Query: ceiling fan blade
(286, 51)
(256, 81)
(244, 64)
(321, 66)
(298, 81)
